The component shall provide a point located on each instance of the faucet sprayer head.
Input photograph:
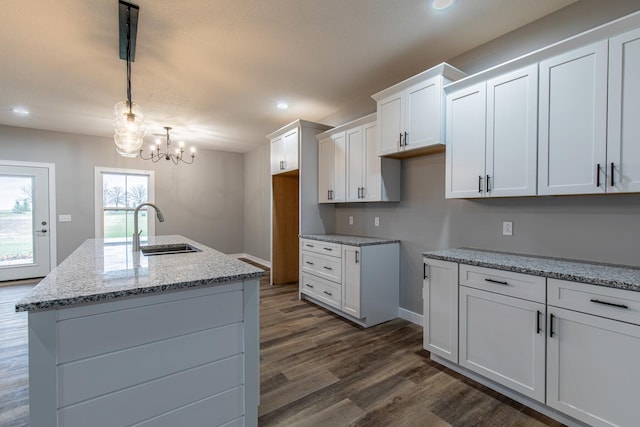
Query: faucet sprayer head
(159, 215)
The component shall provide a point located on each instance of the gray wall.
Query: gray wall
(203, 201)
(257, 202)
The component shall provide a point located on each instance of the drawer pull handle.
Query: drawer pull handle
(609, 303)
(327, 249)
(538, 315)
(309, 262)
(309, 286)
(328, 268)
(328, 293)
(310, 246)
(496, 281)
(424, 270)
(551, 317)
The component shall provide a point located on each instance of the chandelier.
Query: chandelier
(176, 157)
(128, 126)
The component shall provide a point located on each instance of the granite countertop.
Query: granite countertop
(343, 239)
(97, 272)
(610, 275)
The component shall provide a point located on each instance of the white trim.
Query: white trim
(51, 168)
(411, 316)
(252, 258)
(98, 208)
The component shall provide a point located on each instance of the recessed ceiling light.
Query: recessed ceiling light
(20, 111)
(282, 105)
(441, 4)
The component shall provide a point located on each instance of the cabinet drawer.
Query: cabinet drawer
(517, 285)
(618, 304)
(327, 267)
(323, 290)
(324, 248)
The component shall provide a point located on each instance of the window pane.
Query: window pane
(114, 190)
(137, 190)
(118, 226)
(16, 220)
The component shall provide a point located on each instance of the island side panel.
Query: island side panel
(252, 350)
(42, 368)
(180, 317)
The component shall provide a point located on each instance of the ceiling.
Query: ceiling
(214, 70)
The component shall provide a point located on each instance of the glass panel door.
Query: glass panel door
(24, 227)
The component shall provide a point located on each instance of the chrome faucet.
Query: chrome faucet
(136, 231)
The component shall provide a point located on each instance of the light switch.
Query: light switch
(376, 221)
(64, 218)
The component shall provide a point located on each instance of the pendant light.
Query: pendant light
(129, 128)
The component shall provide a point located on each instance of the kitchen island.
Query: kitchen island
(119, 338)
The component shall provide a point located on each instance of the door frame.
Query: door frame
(51, 173)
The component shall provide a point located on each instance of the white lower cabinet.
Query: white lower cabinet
(593, 348)
(360, 283)
(503, 339)
(440, 297)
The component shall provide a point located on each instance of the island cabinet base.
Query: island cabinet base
(180, 358)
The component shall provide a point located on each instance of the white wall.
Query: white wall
(203, 201)
(257, 202)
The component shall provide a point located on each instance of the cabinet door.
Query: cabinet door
(339, 167)
(465, 156)
(592, 368)
(502, 338)
(372, 165)
(355, 164)
(277, 155)
(389, 125)
(291, 150)
(423, 114)
(440, 298)
(512, 133)
(325, 170)
(573, 122)
(351, 280)
(623, 143)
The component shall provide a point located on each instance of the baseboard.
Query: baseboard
(252, 258)
(412, 317)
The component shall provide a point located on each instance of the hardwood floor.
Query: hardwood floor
(316, 370)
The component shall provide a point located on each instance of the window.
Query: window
(118, 192)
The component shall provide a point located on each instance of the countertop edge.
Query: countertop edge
(343, 239)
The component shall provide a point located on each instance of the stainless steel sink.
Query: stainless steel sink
(174, 248)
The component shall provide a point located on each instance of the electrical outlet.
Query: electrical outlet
(64, 218)
(507, 228)
(350, 219)
(376, 221)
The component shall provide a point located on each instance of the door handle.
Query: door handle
(612, 172)
(401, 139)
(598, 175)
(538, 328)
(479, 184)
(487, 183)
(405, 139)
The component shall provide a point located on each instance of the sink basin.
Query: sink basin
(174, 248)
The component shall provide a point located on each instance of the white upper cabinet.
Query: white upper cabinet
(410, 114)
(465, 168)
(492, 136)
(573, 122)
(355, 173)
(284, 152)
(512, 133)
(623, 142)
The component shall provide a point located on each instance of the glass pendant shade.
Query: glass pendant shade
(129, 128)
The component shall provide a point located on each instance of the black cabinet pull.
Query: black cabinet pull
(401, 139)
(424, 270)
(612, 304)
(487, 183)
(405, 139)
(310, 246)
(496, 281)
(327, 249)
(613, 184)
(598, 175)
(328, 293)
(363, 192)
(357, 260)
(551, 333)
(538, 328)
(328, 268)
(479, 184)
(308, 285)
(309, 262)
